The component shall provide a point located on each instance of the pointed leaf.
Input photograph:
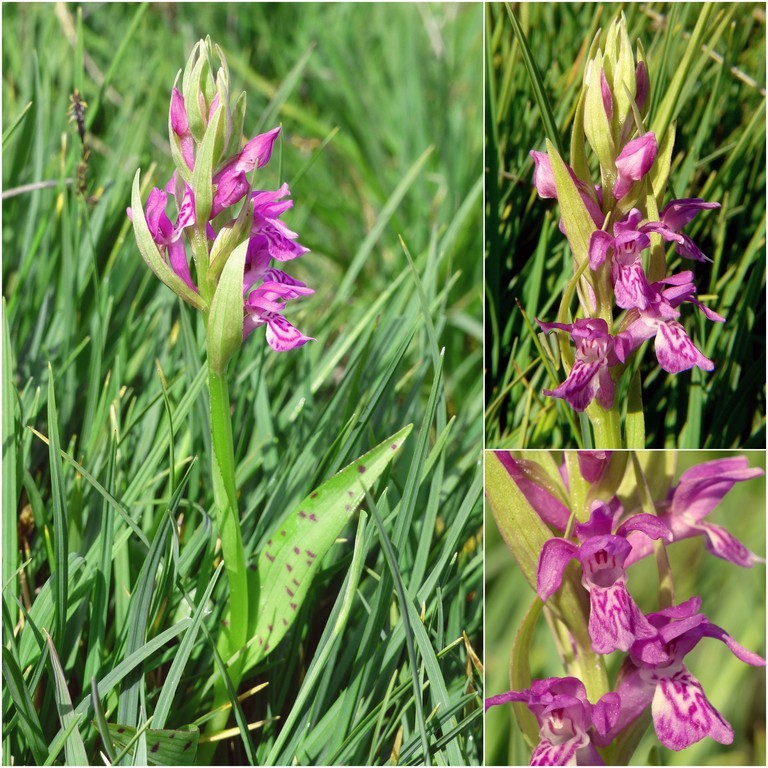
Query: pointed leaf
(74, 749)
(290, 558)
(576, 219)
(225, 323)
(151, 253)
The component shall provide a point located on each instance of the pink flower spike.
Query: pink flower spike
(633, 162)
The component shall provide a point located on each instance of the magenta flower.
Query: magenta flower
(231, 182)
(676, 214)
(180, 126)
(674, 349)
(615, 621)
(699, 490)
(655, 674)
(590, 376)
(630, 284)
(569, 725)
(633, 162)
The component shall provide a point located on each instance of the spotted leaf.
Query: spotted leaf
(164, 747)
(290, 557)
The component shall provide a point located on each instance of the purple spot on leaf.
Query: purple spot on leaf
(288, 590)
(285, 622)
(282, 533)
(302, 513)
(295, 581)
(394, 446)
(296, 551)
(271, 558)
(155, 747)
(293, 605)
(310, 553)
(361, 469)
(313, 517)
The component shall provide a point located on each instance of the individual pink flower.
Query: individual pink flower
(569, 724)
(655, 674)
(590, 376)
(675, 215)
(615, 621)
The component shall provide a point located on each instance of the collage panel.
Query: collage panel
(625, 225)
(625, 311)
(242, 383)
(625, 608)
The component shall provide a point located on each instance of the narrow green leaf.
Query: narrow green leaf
(173, 679)
(225, 322)
(576, 219)
(11, 478)
(60, 522)
(100, 719)
(537, 83)
(15, 123)
(24, 707)
(151, 254)
(74, 749)
(291, 556)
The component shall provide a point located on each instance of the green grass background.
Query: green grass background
(381, 108)
(719, 155)
(732, 597)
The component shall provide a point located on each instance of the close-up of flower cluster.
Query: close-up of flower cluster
(617, 233)
(605, 518)
(213, 160)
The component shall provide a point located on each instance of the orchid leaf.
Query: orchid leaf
(291, 555)
(164, 747)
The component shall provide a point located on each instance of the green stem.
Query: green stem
(227, 518)
(605, 426)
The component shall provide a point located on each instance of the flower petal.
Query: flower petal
(682, 715)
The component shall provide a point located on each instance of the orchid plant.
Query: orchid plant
(575, 530)
(618, 223)
(220, 259)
